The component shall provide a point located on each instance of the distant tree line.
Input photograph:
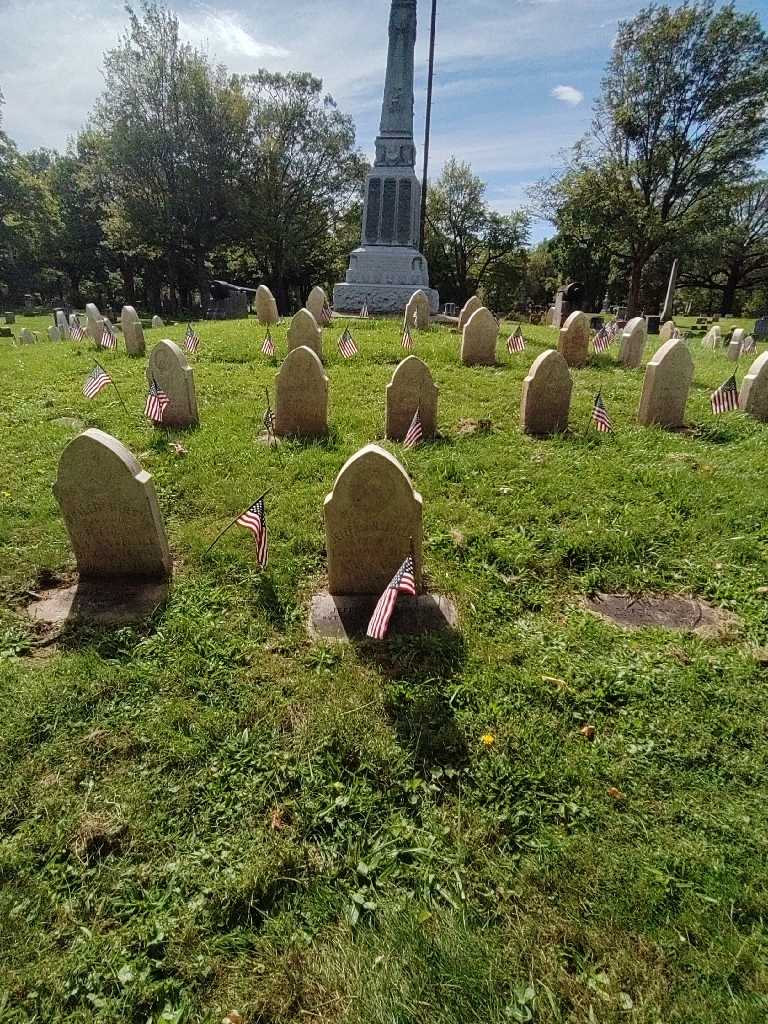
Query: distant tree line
(184, 173)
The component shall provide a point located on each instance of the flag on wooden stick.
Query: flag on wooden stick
(191, 340)
(600, 416)
(268, 348)
(516, 341)
(76, 331)
(255, 520)
(403, 582)
(605, 336)
(157, 402)
(108, 339)
(415, 434)
(407, 341)
(96, 381)
(347, 345)
(326, 316)
(726, 398)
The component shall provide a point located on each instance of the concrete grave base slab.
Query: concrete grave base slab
(346, 618)
(683, 614)
(111, 601)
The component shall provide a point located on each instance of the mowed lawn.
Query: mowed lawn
(210, 813)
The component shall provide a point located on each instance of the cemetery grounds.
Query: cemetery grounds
(210, 813)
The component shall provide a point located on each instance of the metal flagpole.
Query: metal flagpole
(428, 123)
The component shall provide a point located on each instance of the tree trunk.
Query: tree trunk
(635, 286)
(729, 293)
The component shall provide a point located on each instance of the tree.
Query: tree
(682, 114)
(467, 244)
(303, 176)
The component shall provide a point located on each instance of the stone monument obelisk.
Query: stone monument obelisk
(388, 268)
(669, 305)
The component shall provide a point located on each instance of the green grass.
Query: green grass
(209, 813)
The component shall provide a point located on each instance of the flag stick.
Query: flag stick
(125, 410)
(234, 522)
(270, 430)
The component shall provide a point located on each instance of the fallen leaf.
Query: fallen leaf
(615, 793)
(233, 1017)
(279, 819)
(458, 538)
(588, 731)
(178, 449)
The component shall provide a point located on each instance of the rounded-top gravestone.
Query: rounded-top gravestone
(411, 389)
(546, 397)
(633, 339)
(668, 379)
(573, 345)
(372, 518)
(735, 345)
(157, 321)
(304, 331)
(168, 366)
(753, 397)
(301, 387)
(417, 311)
(266, 307)
(478, 342)
(666, 332)
(317, 303)
(470, 306)
(110, 510)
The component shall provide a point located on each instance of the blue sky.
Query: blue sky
(515, 81)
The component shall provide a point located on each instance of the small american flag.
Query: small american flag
(326, 316)
(108, 339)
(364, 311)
(600, 416)
(76, 331)
(726, 398)
(605, 336)
(676, 335)
(403, 582)
(96, 381)
(191, 339)
(516, 342)
(268, 348)
(749, 345)
(269, 421)
(157, 403)
(255, 520)
(415, 433)
(347, 345)
(407, 341)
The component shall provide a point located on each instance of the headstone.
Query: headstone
(372, 517)
(169, 367)
(61, 323)
(305, 332)
(666, 331)
(317, 302)
(633, 341)
(301, 387)
(95, 326)
(753, 397)
(417, 311)
(266, 307)
(470, 306)
(573, 345)
(27, 337)
(133, 333)
(157, 321)
(54, 334)
(668, 379)
(551, 317)
(760, 333)
(29, 302)
(73, 319)
(712, 338)
(110, 510)
(10, 318)
(411, 388)
(128, 315)
(734, 347)
(546, 397)
(478, 343)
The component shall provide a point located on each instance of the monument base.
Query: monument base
(102, 602)
(384, 277)
(344, 618)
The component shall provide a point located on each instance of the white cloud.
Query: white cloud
(222, 33)
(568, 94)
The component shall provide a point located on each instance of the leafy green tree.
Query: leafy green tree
(681, 115)
(469, 246)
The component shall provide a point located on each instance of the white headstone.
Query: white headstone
(304, 331)
(317, 302)
(411, 388)
(633, 341)
(478, 343)
(301, 387)
(266, 307)
(168, 366)
(753, 397)
(668, 379)
(546, 396)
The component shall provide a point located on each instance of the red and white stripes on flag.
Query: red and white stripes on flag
(415, 434)
(605, 336)
(600, 416)
(268, 348)
(108, 339)
(407, 341)
(326, 316)
(157, 402)
(347, 345)
(255, 520)
(403, 582)
(96, 381)
(76, 331)
(726, 398)
(191, 340)
(269, 421)
(516, 342)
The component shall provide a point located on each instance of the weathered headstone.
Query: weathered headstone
(10, 318)
(29, 302)
(266, 307)
(128, 315)
(470, 306)
(157, 321)
(668, 379)
(546, 397)
(301, 388)
(61, 323)
(305, 332)
(734, 346)
(573, 345)
(633, 340)
(478, 342)
(133, 333)
(417, 311)
(317, 303)
(95, 326)
(753, 397)
(760, 333)
(712, 339)
(54, 334)
(27, 337)
(110, 510)
(371, 518)
(666, 332)
(168, 366)
(411, 388)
